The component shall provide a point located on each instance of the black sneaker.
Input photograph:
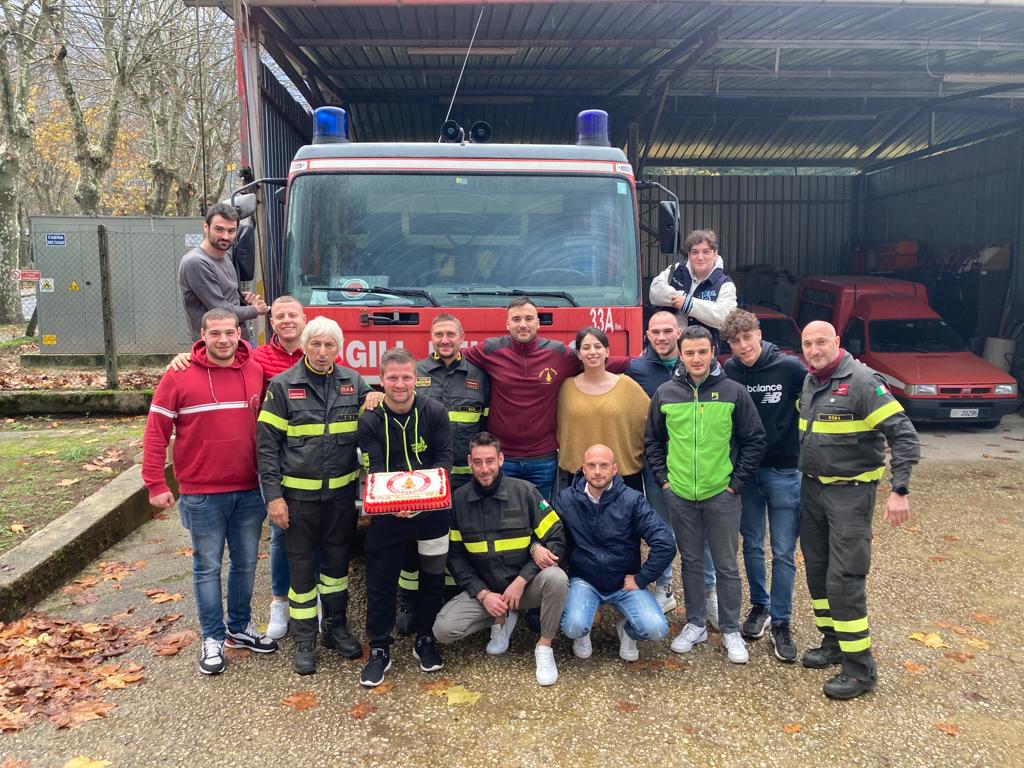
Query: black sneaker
(304, 660)
(820, 658)
(250, 639)
(337, 636)
(429, 658)
(373, 673)
(845, 686)
(757, 621)
(211, 656)
(782, 639)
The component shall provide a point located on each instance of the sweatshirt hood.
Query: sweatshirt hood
(769, 354)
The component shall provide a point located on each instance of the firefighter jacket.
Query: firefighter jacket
(491, 536)
(307, 432)
(703, 438)
(464, 390)
(845, 423)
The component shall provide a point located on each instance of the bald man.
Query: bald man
(847, 415)
(605, 521)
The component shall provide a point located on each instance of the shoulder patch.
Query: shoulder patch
(347, 389)
(881, 389)
(296, 394)
(470, 383)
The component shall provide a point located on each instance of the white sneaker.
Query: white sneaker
(501, 634)
(277, 627)
(211, 656)
(547, 672)
(666, 601)
(582, 648)
(711, 606)
(689, 637)
(627, 645)
(736, 648)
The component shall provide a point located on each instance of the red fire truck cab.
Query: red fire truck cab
(385, 237)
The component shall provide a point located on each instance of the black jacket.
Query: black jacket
(604, 539)
(491, 535)
(774, 382)
(649, 371)
(425, 441)
(464, 390)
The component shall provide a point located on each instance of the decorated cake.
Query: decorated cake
(417, 491)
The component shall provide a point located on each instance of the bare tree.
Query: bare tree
(19, 37)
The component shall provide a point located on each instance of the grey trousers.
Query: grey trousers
(463, 615)
(716, 520)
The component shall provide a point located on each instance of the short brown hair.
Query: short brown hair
(285, 299)
(224, 210)
(739, 321)
(219, 313)
(396, 356)
(700, 236)
(520, 301)
(484, 440)
(446, 317)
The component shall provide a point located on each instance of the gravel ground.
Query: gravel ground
(959, 555)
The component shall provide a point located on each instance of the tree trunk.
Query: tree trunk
(10, 237)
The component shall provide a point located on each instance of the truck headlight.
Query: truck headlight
(921, 389)
(1006, 389)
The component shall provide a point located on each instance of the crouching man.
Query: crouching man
(506, 541)
(605, 520)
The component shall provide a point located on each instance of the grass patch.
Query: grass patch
(42, 459)
(16, 342)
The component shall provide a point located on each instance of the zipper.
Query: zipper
(696, 402)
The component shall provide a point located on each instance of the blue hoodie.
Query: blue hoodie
(604, 539)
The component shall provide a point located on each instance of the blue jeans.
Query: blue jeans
(656, 498)
(644, 619)
(234, 518)
(778, 490)
(539, 471)
(278, 563)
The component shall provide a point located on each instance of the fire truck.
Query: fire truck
(383, 237)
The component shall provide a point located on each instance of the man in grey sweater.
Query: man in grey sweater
(207, 278)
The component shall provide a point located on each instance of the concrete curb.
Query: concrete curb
(75, 402)
(48, 557)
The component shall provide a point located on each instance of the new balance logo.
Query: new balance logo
(770, 398)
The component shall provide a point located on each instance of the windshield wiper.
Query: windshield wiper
(378, 291)
(567, 297)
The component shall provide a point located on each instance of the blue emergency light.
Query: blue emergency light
(592, 128)
(330, 126)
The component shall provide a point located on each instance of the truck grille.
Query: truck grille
(967, 391)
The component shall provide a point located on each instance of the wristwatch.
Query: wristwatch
(902, 490)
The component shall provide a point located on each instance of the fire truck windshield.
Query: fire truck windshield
(464, 241)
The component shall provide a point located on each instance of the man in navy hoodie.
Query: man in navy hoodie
(605, 520)
(774, 381)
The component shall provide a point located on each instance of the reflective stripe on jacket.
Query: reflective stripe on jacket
(464, 390)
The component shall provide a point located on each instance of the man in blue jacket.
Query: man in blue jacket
(605, 521)
(774, 381)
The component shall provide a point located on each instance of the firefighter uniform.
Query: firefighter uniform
(844, 424)
(464, 390)
(306, 442)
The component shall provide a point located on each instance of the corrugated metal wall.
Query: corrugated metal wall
(965, 198)
(286, 126)
(801, 224)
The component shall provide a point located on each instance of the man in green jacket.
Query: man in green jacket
(703, 443)
(506, 541)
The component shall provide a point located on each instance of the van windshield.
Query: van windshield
(914, 335)
(461, 240)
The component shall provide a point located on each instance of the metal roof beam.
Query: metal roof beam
(947, 146)
(945, 4)
(754, 162)
(902, 44)
(273, 32)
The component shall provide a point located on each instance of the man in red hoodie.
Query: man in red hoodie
(211, 408)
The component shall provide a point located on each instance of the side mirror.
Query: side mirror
(246, 205)
(244, 252)
(668, 226)
(281, 195)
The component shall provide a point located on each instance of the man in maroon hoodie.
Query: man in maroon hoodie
(211, 408)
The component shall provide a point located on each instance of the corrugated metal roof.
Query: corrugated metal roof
(779, 82)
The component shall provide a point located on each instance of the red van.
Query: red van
(888, 325)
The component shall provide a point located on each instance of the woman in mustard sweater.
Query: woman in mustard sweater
(601, 407)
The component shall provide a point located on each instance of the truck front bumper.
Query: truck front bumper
(952, 411)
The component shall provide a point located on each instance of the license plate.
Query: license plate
(963, 413)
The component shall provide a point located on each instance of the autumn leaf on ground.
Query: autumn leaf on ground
(955, 627)
(977, 642)
(950, 729)
(984, 618)
(913, 667)
(159, 516)
(951, 538)
(931, 639)
(627, 706)
(938, 559)
(960, 657)
(114, 676)
(18, 528)
(10, 762)
(117, 571)
(791, 728)
(85, 599)
(460, 695)
(86, 762)
(910, 529)
(184, 551)
(436, 687)
(383, 688)
(300, 701)
(362, 710)
(79, 713)
(68, 481)
(97, 468)
(1002, 521)
(13, 721)
(174, 642)
(975, 696)
(154, 541)
(159, 596)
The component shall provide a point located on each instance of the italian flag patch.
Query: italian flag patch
(881, 390)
